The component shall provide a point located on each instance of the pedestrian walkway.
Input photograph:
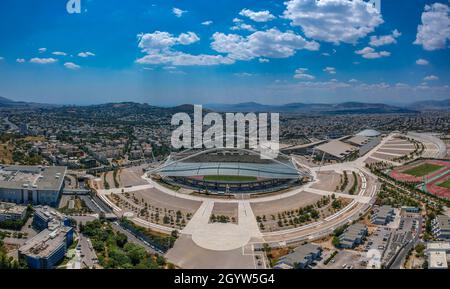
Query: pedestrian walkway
(222, 236)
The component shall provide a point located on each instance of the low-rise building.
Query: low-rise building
(337, 150)
(48, 248)
(36, 185)
(441, 227)
(364, 142)
(353, 236)
(407, 209)
(48, 218)
(301, 258)
(438, 255)
(12, 212)
(383, 215)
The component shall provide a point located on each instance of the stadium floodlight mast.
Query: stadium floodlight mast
(233, 135)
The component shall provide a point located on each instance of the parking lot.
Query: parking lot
(345, 259)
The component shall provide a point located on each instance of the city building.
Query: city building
(438, 255)
(336, 150)
(407, 209)
(353, 236)
(383, 215)
(48, 248)
(12, 212)
(301, 258)
(441, 227)
(48, 218)
(365, 142)
(31, 184)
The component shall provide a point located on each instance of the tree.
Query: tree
(336, 242)
(135, 253)
(121, 239)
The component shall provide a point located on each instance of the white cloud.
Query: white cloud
(38, 60)
(301, 74)
(370, 53)
(188, 38)
(373, 86)
(330, 70)
(42, 50)
(158, 47)
(179, 72)
(263, 60)
(20, 60)
(257, 16)
(434, 31)
(59, 53)
(431, 78)
(85, 54)
(422, 62)
(385, 39)
(333, 20)
(243, 74)
(207, 23)
(243, 26)
(271, 43)
(323, 85)
(178, 12)
(162, 40)
(401, 85)
(71, 65)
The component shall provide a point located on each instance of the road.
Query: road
(87, 253)
(132, 238)
(95, 204)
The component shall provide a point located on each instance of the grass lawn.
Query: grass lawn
(229, 179)
(423, 170)
(445, 184)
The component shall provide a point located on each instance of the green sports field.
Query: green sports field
(422, 170)
(229, 179)
(445, 184)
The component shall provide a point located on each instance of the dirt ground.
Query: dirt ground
(286, 204)
(329, 180)
(225, 209)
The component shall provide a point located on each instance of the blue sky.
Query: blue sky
(173, 51)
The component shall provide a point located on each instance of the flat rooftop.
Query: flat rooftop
(33, 177)
(438, 259)
(444, 222)
(337, 148)
(358, 140)
(8, 208)
(44, 243)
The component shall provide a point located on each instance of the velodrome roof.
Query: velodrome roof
(369, 133)
(270, 171)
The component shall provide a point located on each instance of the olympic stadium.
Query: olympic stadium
(226, 170)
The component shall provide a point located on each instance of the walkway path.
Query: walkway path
(222, 236)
